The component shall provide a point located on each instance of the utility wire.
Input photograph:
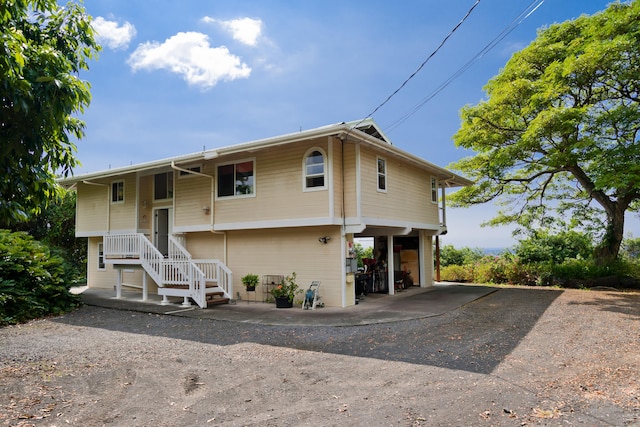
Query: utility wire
(421, 65)
(533, 6)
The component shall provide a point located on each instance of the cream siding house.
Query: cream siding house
(193, 225)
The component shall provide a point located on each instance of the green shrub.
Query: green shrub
(564, 265)
(546, 247)
(449, 255)
(456, 273)
(32, 280)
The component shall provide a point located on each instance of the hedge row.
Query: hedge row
(33, 281)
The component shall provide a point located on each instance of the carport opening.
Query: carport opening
(372, 276)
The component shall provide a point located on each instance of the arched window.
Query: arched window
(314, 170)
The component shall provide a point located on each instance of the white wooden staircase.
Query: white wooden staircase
(205, 281)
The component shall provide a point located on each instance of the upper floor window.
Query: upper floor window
(314, 170)
(184, 173)
(163, 186)
(382, 174)
(434, 190)
(236, 179)
(117, 192)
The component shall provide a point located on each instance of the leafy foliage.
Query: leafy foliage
(55, 227)
(43, 47)
(449, 255)
(556, 248)
(250, 279)
(558, 135)
(362, 252)
(631, 248)
(32, 280)
(288, 288)
(547, 260)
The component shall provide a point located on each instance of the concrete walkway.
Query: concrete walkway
(412, 303)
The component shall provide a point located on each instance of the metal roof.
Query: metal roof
(362, 131)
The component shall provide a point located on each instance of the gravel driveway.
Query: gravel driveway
(519, 356)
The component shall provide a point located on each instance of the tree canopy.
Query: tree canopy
(43, 48)
(557, 137)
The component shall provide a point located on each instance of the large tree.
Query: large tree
(43, 48)
(557, 138)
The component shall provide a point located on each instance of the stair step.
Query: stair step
(176, 286)
(217, 301)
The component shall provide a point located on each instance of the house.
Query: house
(192, 226)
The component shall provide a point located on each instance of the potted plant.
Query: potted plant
(250, 281)
(285, 292)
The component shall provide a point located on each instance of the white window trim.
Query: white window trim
(324, 168)
(117, 202)
(104, 267)
(434, 189)
(386, 175)
(238, 196)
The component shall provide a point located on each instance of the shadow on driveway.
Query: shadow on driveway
(616, 302)
(475, 337)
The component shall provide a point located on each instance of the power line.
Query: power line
(533, 6)
(423, 63)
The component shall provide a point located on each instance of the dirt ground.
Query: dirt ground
(517, 357)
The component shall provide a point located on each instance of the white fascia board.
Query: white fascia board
(284, 223)
(384, 222)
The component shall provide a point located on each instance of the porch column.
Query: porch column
(145, 288)
(118, 282)
(426, 259)
(391, 283)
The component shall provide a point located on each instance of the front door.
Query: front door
(163, 226)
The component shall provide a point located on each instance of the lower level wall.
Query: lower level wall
(262, 252)
(284, 251)
(106, 278)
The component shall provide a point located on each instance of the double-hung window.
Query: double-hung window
(314, 170)
(382, 174)
(117, 192)
(236, 179)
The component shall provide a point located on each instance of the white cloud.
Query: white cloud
(244, 30)
(191, 56)
(113, 35)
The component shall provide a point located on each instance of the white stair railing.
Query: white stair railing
(177, 251)
(218, 273)
(178, 270)
(152, 260)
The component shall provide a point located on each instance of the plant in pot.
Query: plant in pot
(250, 281)
(286, 291)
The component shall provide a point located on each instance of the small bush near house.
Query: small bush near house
(33, 281)
(456, 273)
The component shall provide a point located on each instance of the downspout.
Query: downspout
(344, 224)
(211, 204)
(108, 202)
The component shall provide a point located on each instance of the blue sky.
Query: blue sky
(174, 77)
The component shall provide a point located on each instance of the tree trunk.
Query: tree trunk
(608, 249)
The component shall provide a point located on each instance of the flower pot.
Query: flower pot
(251, 288)
(283, 302)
